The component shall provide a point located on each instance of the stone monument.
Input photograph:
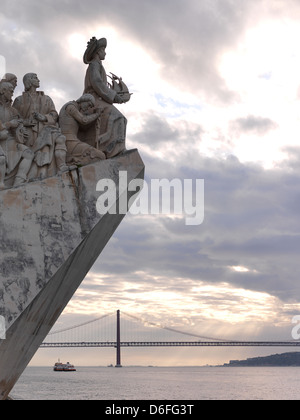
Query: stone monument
(51, 231)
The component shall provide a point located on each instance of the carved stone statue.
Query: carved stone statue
(15, 157)
(10, 78)
(36, 142)
(110, 128)
(44, 136)
(73, 115)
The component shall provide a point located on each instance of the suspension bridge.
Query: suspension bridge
(107, 330)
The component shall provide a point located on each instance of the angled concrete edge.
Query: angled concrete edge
(30, 327)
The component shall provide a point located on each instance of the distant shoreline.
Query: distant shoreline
(291, 359)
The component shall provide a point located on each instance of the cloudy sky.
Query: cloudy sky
(216, 96)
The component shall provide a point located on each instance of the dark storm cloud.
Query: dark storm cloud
(252, 125)
(186, 38)
(157, 131)
(251, 220)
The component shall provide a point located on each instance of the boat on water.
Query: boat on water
(64, 367)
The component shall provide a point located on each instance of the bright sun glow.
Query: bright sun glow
(264, 69)
(209, 302)
(239, 269)
(76, 45)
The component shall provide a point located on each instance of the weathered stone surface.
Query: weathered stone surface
(51, 236)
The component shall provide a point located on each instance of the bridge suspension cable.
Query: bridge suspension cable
(146, 322)
(157, 325)
(82, 324)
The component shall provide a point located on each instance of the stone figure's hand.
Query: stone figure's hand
(40, 117)
(28, 123)
(3, 134)
(13, 124)
(118, 99)
(98, 111)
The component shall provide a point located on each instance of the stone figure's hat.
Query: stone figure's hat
(92, 47)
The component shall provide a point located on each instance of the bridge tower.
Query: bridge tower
(118, 342)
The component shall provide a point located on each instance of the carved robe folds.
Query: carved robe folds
(43, 136)
(111, 126)
(11, 141)
(78, 152)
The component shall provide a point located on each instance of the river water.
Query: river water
(160, 383)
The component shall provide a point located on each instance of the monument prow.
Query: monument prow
(51, 228)
(62, 243)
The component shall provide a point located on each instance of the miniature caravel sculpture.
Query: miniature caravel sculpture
(51, 232)
(36, 141)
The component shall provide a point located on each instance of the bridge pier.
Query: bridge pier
(118, 342)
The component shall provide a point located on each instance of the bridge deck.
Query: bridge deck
(176, 344)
